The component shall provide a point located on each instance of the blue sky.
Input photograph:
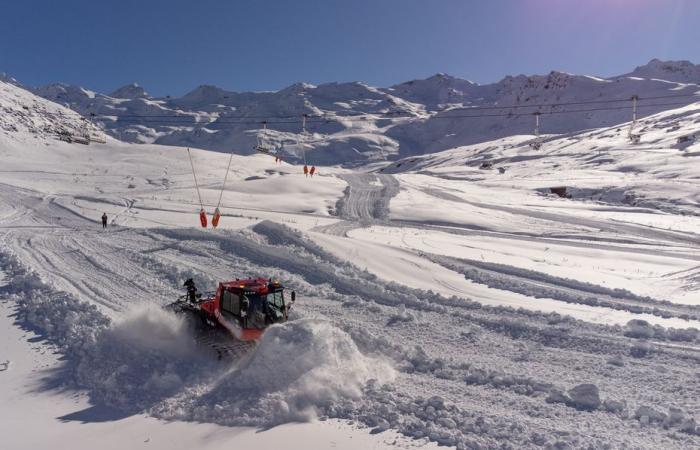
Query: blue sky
(172, 46)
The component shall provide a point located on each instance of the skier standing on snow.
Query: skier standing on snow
(104, 220)
(312, 171)
(306, 170)
(191, 290)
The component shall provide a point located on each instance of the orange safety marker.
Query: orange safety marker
(215, 219)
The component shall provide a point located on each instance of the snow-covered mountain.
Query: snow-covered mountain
(353, 123)
(677, 71)
(587, 100)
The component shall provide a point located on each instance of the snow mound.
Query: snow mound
(638, 328)
(585, 397)
(308, 355)
(69, 324)
(300, 370)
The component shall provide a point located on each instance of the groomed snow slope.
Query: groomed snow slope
(456, 305)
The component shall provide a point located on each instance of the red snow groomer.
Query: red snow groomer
(242, 307)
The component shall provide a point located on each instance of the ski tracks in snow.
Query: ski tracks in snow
(468, 375)
(541, 285)
(366, 200)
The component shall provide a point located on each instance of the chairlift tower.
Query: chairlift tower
(537, 142)
(263, 145)
(634, 137)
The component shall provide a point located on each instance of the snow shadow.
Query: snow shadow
(95, 414)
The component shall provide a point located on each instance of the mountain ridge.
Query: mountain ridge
(365, 124)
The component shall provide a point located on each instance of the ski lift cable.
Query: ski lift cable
(437, 117)
(474, 108)
(223, 186)
(243, 121)
(582, 102)
(176, 119)
(196, 185)
(303, 133)
(634, 115)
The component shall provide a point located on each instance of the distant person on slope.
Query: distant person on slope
(104, 220)
(312, 171)
(306, 170)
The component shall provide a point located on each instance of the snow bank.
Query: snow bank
(585, 397)
(638, 328)
(58, 317)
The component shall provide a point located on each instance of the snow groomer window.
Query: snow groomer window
(231, 303)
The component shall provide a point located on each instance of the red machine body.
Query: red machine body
(246, 307)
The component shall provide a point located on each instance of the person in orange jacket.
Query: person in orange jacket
(306, 170)
(312, 171)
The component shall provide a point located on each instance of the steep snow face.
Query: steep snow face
(677, 71)
(30, 115)
(362, 124)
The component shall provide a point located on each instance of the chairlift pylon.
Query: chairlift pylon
(537, 142)
(262, 146)
(93, 135)
(634, 137)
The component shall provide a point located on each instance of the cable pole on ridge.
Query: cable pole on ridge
(634, 138)
(537, 143)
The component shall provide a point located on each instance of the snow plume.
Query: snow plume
(300, 370)
(142, 359)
